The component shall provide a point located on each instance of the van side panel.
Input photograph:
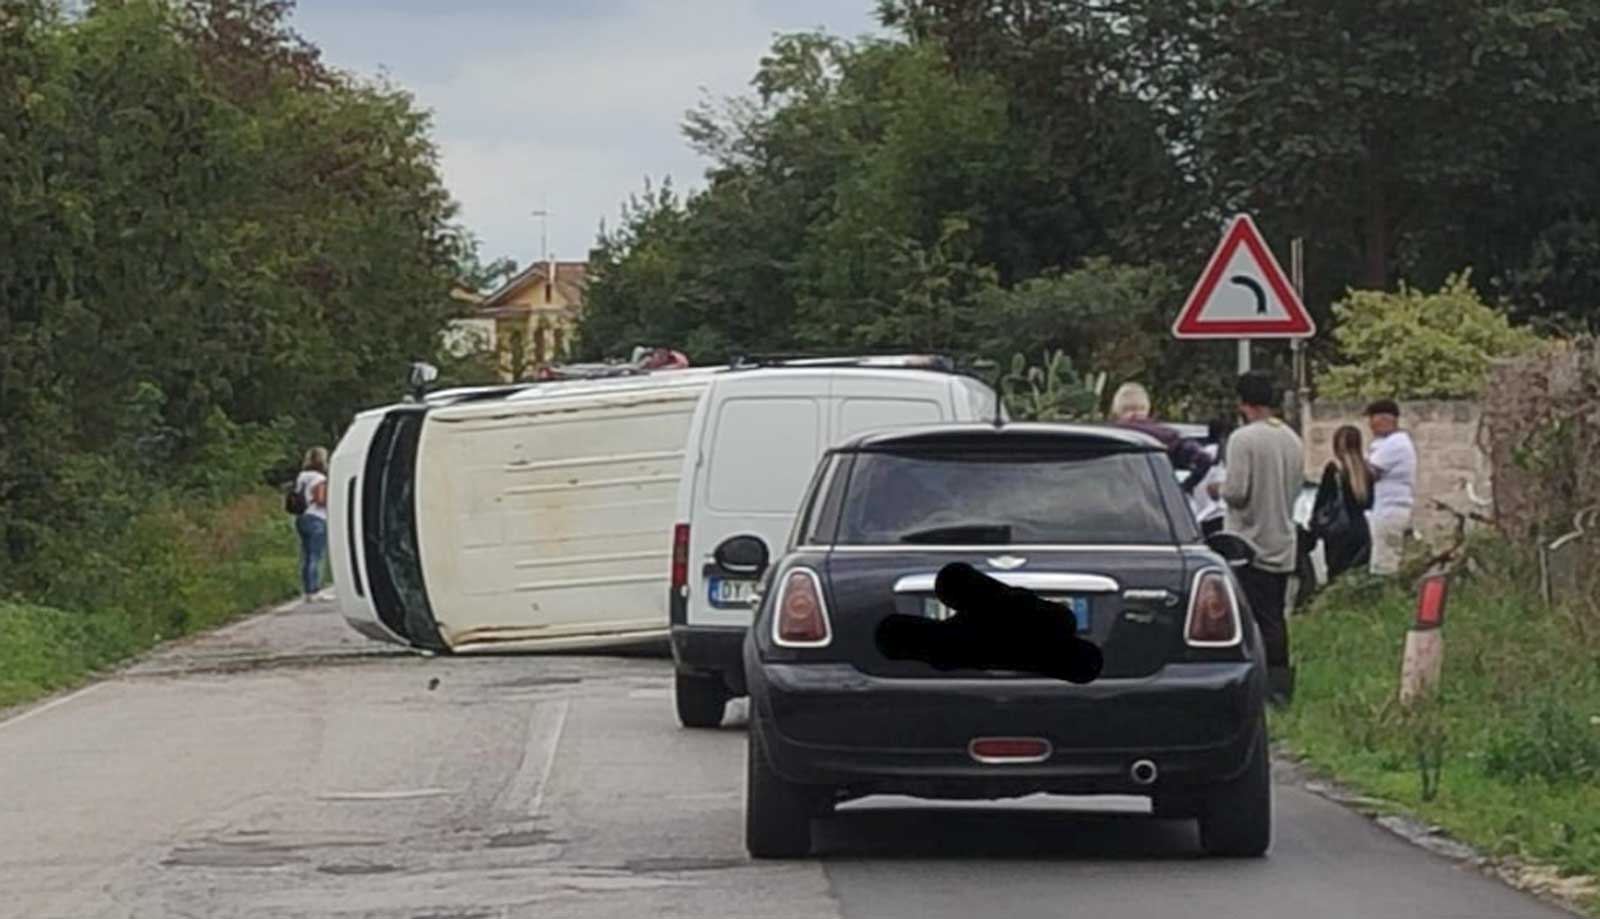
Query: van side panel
(548, 523)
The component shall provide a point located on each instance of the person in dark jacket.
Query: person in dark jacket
(1339, 515)
(1130, 408)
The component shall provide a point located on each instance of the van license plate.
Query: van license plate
(731, 592)
(932, 608)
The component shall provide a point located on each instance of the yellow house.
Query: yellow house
(534, 315)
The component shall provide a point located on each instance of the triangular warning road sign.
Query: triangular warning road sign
(1243, 293)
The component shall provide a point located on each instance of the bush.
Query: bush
(173, 568)
(1416, 345)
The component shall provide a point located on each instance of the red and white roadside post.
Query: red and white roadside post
(1424, 655)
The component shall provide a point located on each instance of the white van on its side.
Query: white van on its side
(754, 445)
(522, 518)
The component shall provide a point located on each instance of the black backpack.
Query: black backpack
(293, 501)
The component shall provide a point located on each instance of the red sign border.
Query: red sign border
(1242, 231)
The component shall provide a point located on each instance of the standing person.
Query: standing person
(1130, 408)
(1393, 460)
(1210, 512)
(1266, 465)
(1339, 516)
(312, 523)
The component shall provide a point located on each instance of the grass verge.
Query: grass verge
(180, 570)
(1514, 731)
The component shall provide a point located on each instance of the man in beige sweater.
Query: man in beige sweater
(1266, 469)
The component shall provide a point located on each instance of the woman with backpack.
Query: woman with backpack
(1339, 514)
(308, 501)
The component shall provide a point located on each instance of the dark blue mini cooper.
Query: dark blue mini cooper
(1090, 518)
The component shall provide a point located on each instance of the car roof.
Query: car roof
(980, 434)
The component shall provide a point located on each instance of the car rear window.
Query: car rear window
(986, 498)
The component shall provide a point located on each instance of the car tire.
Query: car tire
(701, 700)
(777, 812)
(1236, 818)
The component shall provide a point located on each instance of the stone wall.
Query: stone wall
(1448, 455)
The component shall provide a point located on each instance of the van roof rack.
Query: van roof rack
(904, 361)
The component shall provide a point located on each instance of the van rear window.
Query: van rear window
(965, 498)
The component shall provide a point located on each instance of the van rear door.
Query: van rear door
(761, 438)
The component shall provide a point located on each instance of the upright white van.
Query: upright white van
(754, 443)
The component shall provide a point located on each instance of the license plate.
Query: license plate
(731, 592)
(934, 609)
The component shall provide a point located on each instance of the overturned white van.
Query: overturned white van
(542, 516)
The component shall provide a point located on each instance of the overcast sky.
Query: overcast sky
(568, 104)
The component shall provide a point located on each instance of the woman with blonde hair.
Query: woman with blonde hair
(312, 522)
(1339, 516)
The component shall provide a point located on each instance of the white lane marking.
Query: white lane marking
(550, 758)
(398, 794)
(49, 705)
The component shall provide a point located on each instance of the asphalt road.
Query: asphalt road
(286, 767)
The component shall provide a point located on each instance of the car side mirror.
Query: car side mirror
(745, 555)
(1234, 549)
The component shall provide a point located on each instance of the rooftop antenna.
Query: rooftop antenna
(543, 213)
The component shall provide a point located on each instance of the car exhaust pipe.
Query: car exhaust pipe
(1143, 772)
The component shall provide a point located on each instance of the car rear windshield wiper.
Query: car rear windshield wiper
(976, 533)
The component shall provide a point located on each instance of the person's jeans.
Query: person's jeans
(313, 532)
(1266, 592)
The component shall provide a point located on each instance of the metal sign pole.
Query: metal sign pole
(1244, 356)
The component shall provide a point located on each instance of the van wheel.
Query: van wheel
(701, 700)
(1236, 818)
(777, 812)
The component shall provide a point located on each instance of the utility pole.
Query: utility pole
(1297, 277)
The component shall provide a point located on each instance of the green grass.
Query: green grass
(1515, 725)
(177, 571)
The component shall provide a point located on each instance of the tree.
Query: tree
(1377, 131)
(212, 244)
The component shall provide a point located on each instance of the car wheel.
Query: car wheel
(701, 700)
(1236, 818)
(777, 813)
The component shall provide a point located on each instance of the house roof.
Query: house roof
(569, 280)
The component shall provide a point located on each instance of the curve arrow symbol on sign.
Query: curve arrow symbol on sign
(1244, 280)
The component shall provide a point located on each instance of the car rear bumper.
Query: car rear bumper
(711, 650)
(831, 724)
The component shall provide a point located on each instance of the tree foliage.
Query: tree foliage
(214, 245)
(1418, 345)
(901, 191)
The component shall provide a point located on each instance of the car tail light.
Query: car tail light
(801, 620)
(680, 556)
(1213, 612)
(1009, 749)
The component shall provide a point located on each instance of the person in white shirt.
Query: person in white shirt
(312, 523)
(1393, 460)
(1208, 511)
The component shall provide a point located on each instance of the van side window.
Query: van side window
(763, 454)
(866, 414)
